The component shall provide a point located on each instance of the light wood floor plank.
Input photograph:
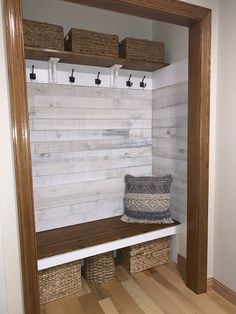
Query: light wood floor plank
(55, 307)
(90, 304)
(99, 292)
(122, 274)
(157, 290)
(71, 305)
(162, 300)
(121, 299)
(85, 288)
(221, 302)
(174, 294)
(201, 301)
(141, 298)
(108, 306)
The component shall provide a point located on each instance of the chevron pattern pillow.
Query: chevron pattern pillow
(147, 199)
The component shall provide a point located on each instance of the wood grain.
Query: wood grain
(175, 12)
(82, 59)
(118, 293)
(198, 154)
(22, 158)
(72, 183)
(145, 291)
(108, 306)
(71, 238)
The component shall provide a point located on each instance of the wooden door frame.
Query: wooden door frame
(198, 20)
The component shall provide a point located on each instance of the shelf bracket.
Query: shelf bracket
(52, 69)
(114, 73)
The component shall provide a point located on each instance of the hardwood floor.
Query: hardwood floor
(158, 290)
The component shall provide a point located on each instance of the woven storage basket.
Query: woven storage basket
(43, 35)
(59, 281)
(100, 268)
(144, 50)
(143, 256)
(93, 43)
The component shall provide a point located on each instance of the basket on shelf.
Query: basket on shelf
(59, 281)
(93, 43)
(144, 50)
(146, 255)
(43, 35)
(100, 268)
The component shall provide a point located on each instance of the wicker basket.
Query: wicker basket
(93, 43)
(59, 281)
(43, 35)
(143, 256)
(145, 50)
(100, 268)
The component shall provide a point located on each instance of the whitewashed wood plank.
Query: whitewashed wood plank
(57, 179)
(83, 91)
(171, 122)
(66, 124)
(177, 168)
(68, 194)
(47, 169)
(174, 111)
(75, 135)
(88, 102)
(95, 114)
(170, 133)
(76, 146)
(59, 222)
(80, 209)
(93, 155)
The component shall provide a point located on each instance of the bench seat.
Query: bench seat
(67, 244)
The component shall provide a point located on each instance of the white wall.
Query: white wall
(10, 278)
(73, 15)
(225, 196)
(175, 39)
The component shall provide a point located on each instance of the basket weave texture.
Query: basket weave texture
(144, 50)
(99, 269)
(143, 256)
(59, 281)
(93, 43)
(43, 35)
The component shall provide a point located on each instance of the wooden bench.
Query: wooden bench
(67, 244)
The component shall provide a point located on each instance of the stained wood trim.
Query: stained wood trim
(198, 154)
(224, 291)
(170, 11)
(20, 133)
(212, 283)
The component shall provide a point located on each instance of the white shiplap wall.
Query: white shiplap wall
(170, 138)
(170, 118)
(83, 141)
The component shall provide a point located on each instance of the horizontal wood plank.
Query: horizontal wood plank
(76, 237)
(92, 60)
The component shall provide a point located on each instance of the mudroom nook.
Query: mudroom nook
(96, 117)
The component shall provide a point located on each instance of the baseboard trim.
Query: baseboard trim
(212, 283)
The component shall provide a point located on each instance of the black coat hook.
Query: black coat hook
(32, 74)
(97, 80)
(142, 84)
(129, 83)
(72, 78)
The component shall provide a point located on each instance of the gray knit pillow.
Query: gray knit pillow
(147, 199)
